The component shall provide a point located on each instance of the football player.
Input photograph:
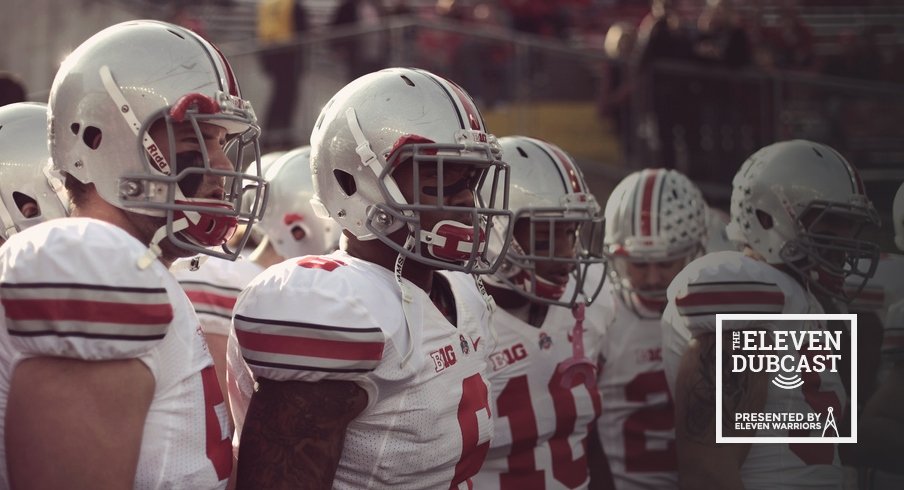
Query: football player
(882, 428)
(288, 228)
(371, 365)
(798, 208)
(27, 196)
(106, 381)
(655, 225)
(543, 368)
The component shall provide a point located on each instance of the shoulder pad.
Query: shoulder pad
(306, 323)
(214, 288)
(730, 282)
(72, 288)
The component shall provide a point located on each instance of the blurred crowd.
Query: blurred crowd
(685, 84)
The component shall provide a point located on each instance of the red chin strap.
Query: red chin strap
(208, 230)
(545, 289)
(453, 241)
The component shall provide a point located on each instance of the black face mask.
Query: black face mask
(190, 182)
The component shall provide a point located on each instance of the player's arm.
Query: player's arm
(76, 424)
(294, 432)
(701, 462)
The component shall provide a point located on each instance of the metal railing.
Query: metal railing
(703, 121)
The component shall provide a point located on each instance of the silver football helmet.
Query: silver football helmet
(289, 222)
(28, 193)
(787, 200)
(654, 216)
(114, 87)
(548, 192)
(384, 120)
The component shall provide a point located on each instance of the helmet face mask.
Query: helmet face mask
(801, 205)
(829, 249)
(460, 234)
(107, 101)
(558, 227)
(210, 221)
(395, 162)
(536, 266)
(655, 225)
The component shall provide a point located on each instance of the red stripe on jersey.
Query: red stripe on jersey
(315, 262)
(304, 346)
(208, 298)
(646, 204)
(725, 298)
(867, 297)
(470, 110)
(88, 311)
(570, 169)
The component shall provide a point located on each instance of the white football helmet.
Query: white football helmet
(653, 216)
(897, 213)
(383, 119)
(546, 187)
(782, 192)
(103, 102)
(289, 222)
(28, 193)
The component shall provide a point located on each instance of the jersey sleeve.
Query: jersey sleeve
(725, 282)
(214, 288)
(75, 290)
(295, 323)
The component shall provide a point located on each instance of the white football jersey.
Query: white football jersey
(214, 287)
(335, 317)
(213, 290)
(72, 288)
(541, 421)
(729, 282)
(637, 426)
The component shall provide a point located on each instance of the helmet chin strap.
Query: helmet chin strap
(154, 252)
(407, 300)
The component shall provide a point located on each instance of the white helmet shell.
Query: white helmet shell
(24, 169)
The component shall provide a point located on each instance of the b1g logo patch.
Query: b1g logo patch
(807, 358)
(443, 358)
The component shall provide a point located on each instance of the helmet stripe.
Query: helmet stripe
(474, 119)
(440, 81)
(647, 213)
(463, 104)
(570, 170)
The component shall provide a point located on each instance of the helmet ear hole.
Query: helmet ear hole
(346, 182)
(92, 137)
(26, 204)
(765, 219)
